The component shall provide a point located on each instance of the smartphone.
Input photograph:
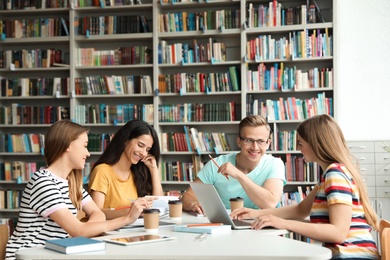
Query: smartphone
(139, 239)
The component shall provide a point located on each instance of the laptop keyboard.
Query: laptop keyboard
(241, 222)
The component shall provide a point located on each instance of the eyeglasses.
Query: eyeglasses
(250, 141)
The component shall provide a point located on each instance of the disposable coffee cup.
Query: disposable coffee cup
(151, 220)
(175, 208)
(236, 203)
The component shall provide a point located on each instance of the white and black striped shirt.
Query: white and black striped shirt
(44, 194)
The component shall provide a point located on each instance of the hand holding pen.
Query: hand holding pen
(216, 164)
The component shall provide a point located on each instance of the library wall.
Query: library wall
(362, 79)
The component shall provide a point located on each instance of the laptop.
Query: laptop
(214, 208)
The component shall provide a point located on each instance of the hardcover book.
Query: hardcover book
(75, 245)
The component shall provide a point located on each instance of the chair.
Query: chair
(3, 239)
(384, 233)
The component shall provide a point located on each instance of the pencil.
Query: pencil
(216, 164)
(121, 207)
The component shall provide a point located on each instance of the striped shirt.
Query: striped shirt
(337, 186)
(44, 194)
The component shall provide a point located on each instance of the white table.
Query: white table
(239, 244)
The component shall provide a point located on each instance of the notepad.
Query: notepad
(221, 229)
(75, 245)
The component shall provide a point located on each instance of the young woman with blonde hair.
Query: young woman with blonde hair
(340, 213)
(54, 195)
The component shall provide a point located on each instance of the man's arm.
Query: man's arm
(266, 196)
(190, 202)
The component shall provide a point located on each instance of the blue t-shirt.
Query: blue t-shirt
(269, 168)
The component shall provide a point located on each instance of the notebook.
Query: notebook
(214, 208)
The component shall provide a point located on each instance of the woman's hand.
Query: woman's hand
(268, 221)
(197, 208)
(150, 162)
(137, 206)
(244, 213)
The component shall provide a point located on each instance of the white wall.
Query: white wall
(362, 71)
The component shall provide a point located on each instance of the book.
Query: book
(75, 245)
(204, 228)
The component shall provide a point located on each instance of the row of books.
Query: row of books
(17, 114)
(113, 114)
(117, 85)
(280, 77)
(18, 170)
(32, 4)
(98, 142)
(314, 45)
(292, 108)
(196, 21)
(177, 171)
(275, 14)
(298, 44)
(22, 143)
(108, 25)
(38, 27)
(118, 56)
(197, 112)
(37, 58)
(298, 170)
(191, 140)
(10, 199)
(181, 171)
(199, 82)
(103, 3)
(25, 87)
(208, 51)
(284, 141)
(294, 197)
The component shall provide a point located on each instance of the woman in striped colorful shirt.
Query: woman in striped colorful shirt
(340, 213)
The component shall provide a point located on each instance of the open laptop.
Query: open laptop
(213, 206)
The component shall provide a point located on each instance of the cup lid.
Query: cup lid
(175, 202)
(236, 199)
(151, 211)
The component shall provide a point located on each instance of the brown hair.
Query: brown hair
(57, 140)
(254, 121)
(327, 141)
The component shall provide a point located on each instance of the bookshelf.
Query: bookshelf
(148, 63)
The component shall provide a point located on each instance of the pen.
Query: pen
(204, 225)
(201, 237)
(216, 164)
(121, 207)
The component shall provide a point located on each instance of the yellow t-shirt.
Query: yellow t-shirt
(118, 192)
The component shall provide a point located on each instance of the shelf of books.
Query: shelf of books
(288, 77)
(192, 69)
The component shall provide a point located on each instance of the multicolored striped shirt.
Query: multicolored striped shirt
(44, 194)
(337, 186)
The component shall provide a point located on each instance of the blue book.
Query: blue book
(204, 228)
(75, 245)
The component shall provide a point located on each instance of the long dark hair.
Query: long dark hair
(114, 150)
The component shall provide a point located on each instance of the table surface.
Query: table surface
(237, 244)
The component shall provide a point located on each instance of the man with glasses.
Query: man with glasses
(251, 174)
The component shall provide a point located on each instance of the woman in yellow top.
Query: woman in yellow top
(127, 169)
